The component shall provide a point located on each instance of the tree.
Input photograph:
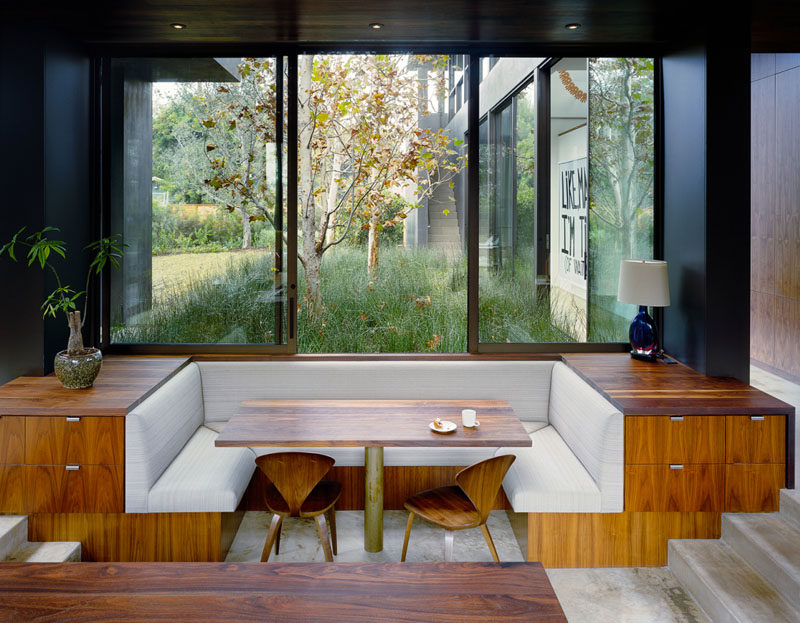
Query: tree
(621, 139)
(360, 147)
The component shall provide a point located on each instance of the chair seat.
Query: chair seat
(448, 507)
(322, 497)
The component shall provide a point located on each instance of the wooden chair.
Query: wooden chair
(297, 490)
(466, 505)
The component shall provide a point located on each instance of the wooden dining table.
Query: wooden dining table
(373, 425)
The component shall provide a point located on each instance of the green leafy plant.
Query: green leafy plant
(41, 250)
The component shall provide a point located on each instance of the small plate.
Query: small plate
(447, 427)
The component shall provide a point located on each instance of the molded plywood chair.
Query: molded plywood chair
(297, 490)
(466, 505)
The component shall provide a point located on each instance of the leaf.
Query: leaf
(210, 147)
(426, 155)
(458, 142)
(323, 117)
(445, 211)
(209, 123)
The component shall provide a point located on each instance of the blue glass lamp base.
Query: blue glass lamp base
(644, 336)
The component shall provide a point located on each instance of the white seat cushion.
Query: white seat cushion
(436, 456)
(548, 478)
(203, 478)
(155, 432)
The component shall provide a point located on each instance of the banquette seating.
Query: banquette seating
(575, 464)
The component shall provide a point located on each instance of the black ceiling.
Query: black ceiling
(775, 24)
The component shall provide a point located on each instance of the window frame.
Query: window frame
(473, 54)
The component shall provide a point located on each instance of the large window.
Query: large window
(318, 203)
(549, 256)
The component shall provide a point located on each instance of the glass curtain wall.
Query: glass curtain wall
(549, 260)
(197, 176)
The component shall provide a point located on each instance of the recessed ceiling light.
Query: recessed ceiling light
(572, 26)
(376, 25)
(178, 26)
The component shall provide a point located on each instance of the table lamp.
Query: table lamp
(644, 283)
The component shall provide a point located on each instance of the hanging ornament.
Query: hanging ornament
(571, 87)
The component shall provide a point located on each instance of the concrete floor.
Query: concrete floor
(587, 595)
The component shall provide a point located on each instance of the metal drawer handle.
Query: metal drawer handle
(73, 419)
(676, 418)
(675, 466)
(72, 468)
(757, 418)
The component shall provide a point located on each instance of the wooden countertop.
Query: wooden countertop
(345, 591)
(123, 382)
(658, 388)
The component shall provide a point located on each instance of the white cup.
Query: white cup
(468, 418)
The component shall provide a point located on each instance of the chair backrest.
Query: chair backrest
(482, 481)
(294, 474)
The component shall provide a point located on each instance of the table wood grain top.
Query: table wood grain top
(362, 423)
(123, 382)
(377, 591)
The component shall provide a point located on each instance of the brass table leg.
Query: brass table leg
(373, 499)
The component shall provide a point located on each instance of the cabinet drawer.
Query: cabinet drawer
(661, 439)
(753, 488)
(88, 489)
(755, 439)
(85, 440)
(662, 488)
(12, 489)
(12, 439)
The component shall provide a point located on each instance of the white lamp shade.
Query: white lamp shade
(643, 282)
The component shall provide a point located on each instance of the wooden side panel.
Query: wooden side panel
(697, 488)
(749, 440)
(92, 488)
(662, 439)
(753, 488)
(12, 440)
(560, 540)
(12, 489)
(400, 483)
(88, 441)
(137, 537)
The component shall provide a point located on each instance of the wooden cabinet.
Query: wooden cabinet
(733, 463)
(62, 464)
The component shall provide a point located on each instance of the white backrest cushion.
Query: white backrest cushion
(592, 428)
(157, 430)
(525, 384)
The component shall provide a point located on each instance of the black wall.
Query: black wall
(44, 134)
(707, 204)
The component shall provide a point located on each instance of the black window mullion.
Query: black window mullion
(473, 197)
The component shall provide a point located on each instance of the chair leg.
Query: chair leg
(448, 545)
(278, 539)
(408, 533)
(488, 537)
(324, 536)
(274, 528)
(331, 513)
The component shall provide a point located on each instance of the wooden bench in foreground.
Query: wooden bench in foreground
(277, 592)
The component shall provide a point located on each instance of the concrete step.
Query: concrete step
(770, 546)
(13, 533)
(790, 507)
(51, 551)
(724, 586)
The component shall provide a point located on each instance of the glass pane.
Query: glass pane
(621, 169)
(549, 265)
(195, 175)
(381, 169)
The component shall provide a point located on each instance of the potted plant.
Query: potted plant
(77, 366)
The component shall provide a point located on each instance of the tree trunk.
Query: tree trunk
(372, 245)
(310, 251)
(75, 342)
(247, 235)
(333, 193)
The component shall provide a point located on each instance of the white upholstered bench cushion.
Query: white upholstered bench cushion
(155, 432)
(203, 478)
(548, 478)
(436, 456)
